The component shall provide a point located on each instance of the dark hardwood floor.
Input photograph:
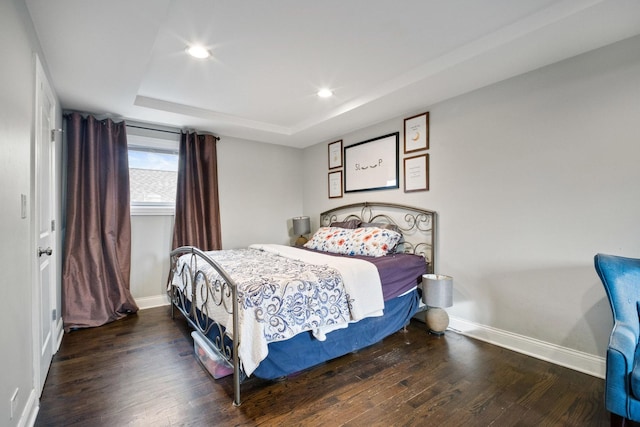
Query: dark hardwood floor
(141, 371)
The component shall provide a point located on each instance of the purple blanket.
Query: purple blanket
(398, 272)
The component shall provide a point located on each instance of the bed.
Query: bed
(271, 310)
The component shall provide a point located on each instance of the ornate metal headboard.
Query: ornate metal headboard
(418, 225)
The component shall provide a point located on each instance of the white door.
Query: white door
(43, 209)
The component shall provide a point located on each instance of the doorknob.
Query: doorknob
(47, 251)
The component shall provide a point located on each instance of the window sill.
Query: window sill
(153, 210)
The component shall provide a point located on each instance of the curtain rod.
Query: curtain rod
(153, 129)
(217, 138)
(175, 132)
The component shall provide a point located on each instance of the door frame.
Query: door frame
(56, 321)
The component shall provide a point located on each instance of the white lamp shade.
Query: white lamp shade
(437, 290)
(301, 225)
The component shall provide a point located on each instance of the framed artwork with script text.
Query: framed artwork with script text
(372, 164)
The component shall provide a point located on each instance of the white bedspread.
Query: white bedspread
(359, 289)
(361, 279)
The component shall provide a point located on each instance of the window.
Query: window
(153, 170)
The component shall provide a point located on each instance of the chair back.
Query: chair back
(621, 279)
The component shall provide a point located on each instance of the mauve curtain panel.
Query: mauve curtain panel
(97, 249)
(197, 221)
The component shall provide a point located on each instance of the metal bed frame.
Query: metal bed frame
(419, 237)
(418, 225)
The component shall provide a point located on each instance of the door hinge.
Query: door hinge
(53, 134)
(53, 225)
(54, 314)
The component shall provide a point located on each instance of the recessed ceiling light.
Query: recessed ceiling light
(199, 52)
(325, 93)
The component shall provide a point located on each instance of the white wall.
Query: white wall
(531, 177)
(260, 189)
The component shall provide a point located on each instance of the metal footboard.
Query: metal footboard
(203, 301)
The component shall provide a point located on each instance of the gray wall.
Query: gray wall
(260, 191)
(531, 178)
(150, 247)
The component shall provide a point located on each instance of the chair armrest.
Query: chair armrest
(624, 340)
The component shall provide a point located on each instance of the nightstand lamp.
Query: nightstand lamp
(437, 293)
(301, 226)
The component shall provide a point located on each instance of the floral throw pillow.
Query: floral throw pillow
(367, 241)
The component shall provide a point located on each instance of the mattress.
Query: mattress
(399, 272)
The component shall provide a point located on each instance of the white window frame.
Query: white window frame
(156, 139)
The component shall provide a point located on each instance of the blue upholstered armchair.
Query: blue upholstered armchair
(621, 279)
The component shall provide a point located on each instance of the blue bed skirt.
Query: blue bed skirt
(304, 351)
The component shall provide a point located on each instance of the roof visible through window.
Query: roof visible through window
(153, 173)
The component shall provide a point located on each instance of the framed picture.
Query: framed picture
(372, 164)
(416, 173)
(335, 184)
(335, 154)
(416, 133)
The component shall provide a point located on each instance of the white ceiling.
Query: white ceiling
(382, 58)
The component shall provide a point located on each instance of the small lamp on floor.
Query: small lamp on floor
(437, 293)
(301, 226)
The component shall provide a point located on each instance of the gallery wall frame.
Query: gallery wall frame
(335, 154)
(335, 184)
(416, 133)
(372, 164)
(416, 173)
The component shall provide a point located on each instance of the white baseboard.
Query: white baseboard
(30, 412)
(59, 333)
(563, 356)
(153, 301)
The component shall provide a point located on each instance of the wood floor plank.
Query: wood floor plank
(141, 371)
